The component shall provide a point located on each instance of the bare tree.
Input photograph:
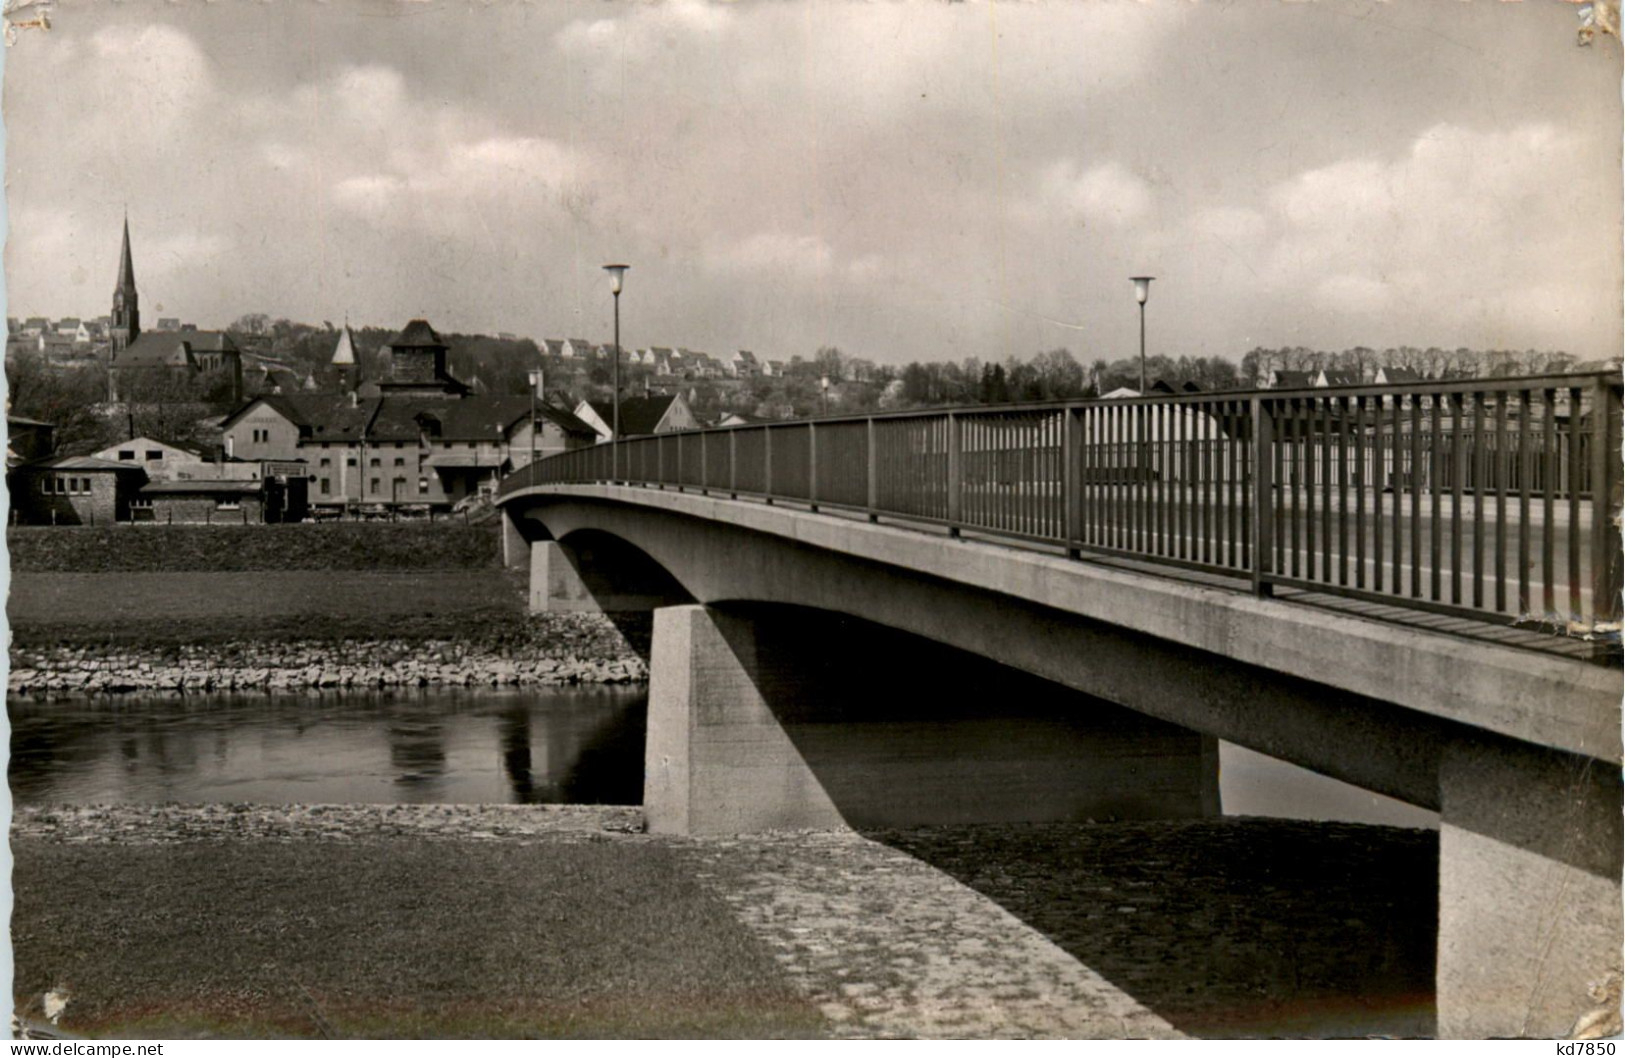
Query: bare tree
(64, 397)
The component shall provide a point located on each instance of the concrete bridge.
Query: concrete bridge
(830, 595)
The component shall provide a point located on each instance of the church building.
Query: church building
(147, 365)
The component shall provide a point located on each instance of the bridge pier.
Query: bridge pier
(763, 720)
(1529, 889)
(716, 759)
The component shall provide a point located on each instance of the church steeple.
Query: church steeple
(126, 325)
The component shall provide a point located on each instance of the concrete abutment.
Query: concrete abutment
(596, 574)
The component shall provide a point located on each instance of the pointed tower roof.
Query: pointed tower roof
(126, 267)
(344, 351)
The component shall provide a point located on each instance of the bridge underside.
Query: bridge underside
(776, 718)
(1530, 834)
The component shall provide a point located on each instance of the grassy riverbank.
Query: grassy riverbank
(203, 607)
(161, 585)
(379, 625)
(245, 548)
(389, 937)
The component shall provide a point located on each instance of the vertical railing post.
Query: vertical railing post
(767, 462)
(1605, 500)
(812, 465)
(871, 479)
(733, 464)
(660, 461)
(1263, 497)
(955, 494)
(1072, 480)
(705, 464)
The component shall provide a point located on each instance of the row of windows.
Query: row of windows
(220, 505)
(448, 445)
(350, 462)
(153, 454)
(57, 485)
(262, 436)
(397, 486)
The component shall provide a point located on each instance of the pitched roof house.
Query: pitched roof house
(169, 460)
(1291, 380)
(639, 415)
(1397, 376)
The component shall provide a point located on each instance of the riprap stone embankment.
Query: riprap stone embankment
(550, 649)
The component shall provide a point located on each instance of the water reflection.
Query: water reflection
(432, 745)
(417, 756)
(516, 755)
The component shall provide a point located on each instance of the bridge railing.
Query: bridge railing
(1489, 498)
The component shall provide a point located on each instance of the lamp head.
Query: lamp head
(617, 273)
(1142, 287)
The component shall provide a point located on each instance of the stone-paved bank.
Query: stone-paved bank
(545, 649)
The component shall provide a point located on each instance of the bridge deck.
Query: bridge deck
(1490, 502)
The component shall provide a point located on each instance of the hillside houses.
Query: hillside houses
(664, 361)
(69, 341)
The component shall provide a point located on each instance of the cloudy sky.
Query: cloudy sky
(903, 180)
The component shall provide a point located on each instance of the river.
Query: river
(552, 746)
(441, 745)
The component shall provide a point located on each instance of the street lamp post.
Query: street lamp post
(617, 274)
(1142, 290)
(535, 382)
